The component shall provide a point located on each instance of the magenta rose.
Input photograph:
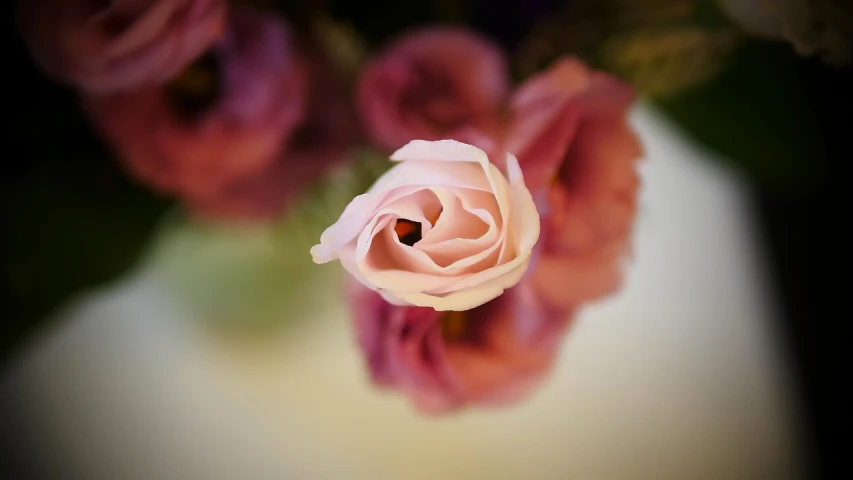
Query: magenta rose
(571, 135)
(240, 131)
(106, 46)
(491, 355)
(432, 84)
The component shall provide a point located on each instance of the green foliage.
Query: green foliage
(72, 220)
(754, 114)
(661, 46)
(239, 277)
(736, 96)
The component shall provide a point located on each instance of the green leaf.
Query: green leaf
(234, 277)
(250, 278)
(72, 219)
(660, 46)
(755, 114)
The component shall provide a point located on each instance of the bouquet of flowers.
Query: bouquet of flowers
(479, 160)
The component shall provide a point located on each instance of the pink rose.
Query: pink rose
(258, 132)
(323, 137)
(106, 46)
(578, 153)
(444, 228)
(491, 355)
(433, 84)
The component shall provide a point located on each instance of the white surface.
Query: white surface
(677, 377)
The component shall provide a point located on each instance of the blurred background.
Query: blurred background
(141, 342)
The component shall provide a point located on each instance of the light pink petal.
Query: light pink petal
(427, 173)
(440, 151)
(356, 215)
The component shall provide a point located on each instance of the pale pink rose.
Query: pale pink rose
(104, 46)
(444, 228)
(266, 131)
(571, 135)
(432, 84)
(489, 356)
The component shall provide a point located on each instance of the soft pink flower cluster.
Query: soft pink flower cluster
(222, 107)
(510, 207)
(438, 316)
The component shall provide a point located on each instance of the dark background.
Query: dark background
(807, 229)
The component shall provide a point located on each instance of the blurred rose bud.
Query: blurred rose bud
(104, 46)
(444, 228)
(432, 84)
(578, 153)
(236, 129)
(321, 140)
(491, 355)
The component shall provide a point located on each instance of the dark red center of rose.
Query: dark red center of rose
(198, 87)
(408, 232)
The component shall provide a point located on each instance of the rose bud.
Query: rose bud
(491, 355)
(444, 228)
(571, 135)
(432, 84)
(241, 131)
(108, 46)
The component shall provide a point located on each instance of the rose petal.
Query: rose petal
(467, 257)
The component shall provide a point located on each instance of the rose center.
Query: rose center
(410, 232)
(198, 87)
(453, 325)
